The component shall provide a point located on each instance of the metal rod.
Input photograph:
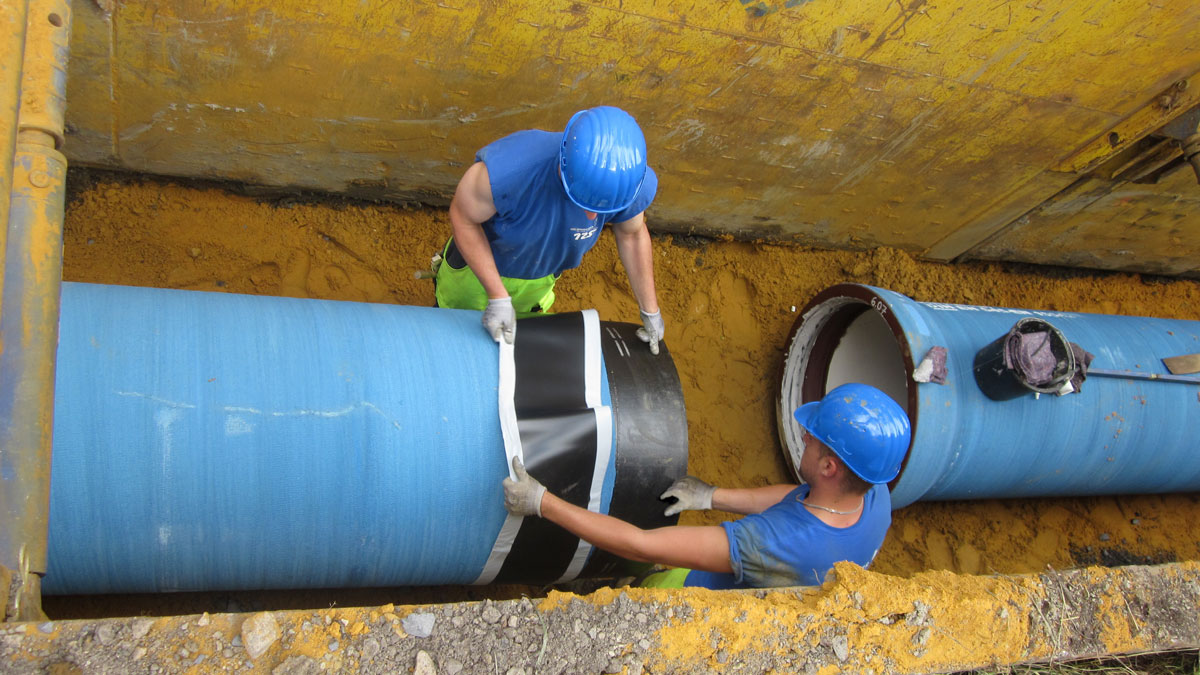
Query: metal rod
(12, 53)
(1133, 375)
(29, 320)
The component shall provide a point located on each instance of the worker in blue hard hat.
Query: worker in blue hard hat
(533, 203)
(855, 439)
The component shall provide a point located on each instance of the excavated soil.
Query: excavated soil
(728, 307)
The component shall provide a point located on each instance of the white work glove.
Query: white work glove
(523, 496)
(499, 319)
(690, 493)
(652, 330)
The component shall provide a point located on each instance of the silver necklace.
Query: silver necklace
(835, 511)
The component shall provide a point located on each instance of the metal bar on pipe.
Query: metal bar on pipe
(29, 321)
(1129, 374)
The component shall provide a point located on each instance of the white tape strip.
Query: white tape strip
(512, 448)
(592, 396)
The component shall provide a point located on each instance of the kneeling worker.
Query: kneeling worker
(854, 442)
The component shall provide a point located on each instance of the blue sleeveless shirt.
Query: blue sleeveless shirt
(786, 545)
(537, 230)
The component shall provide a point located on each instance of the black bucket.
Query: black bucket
(1033, 356)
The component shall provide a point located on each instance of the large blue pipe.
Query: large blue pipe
(1115, 436)
(217, 441)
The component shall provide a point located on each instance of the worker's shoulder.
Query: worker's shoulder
(529, 143)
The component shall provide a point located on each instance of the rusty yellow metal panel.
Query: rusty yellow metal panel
(1150, 228)
(879, 122)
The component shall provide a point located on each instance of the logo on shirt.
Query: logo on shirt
(581, 233)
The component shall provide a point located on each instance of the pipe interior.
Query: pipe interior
(867, 353)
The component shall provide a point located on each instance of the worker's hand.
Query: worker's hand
(651, 330)
(690, 493)
(523, 496)
(499, 319)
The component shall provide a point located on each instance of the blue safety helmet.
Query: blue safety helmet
(602, 159)
(863, 426)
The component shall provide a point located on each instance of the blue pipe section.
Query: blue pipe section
(217, 441)
(1115, 436)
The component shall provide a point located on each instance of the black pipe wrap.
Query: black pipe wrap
(558, 437)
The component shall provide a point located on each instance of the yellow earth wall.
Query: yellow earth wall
(920, 127)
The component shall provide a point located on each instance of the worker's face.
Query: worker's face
(810, 456)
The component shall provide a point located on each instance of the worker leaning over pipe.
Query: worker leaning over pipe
(533, 203)
(854, 441)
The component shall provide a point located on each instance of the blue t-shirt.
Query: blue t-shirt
(537, 229)
(786, 545)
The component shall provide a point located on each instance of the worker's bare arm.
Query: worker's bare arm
(633, 245)
(749, 500)
(471, 206)
(701, 548)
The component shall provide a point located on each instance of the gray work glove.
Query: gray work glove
(651, 330)
(523, 496)
(690, 493)
(499, 319)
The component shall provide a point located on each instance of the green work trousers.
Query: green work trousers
(459, 288)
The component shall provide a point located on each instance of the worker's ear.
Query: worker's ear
(829, 466)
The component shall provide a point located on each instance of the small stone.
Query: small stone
(183, 653)
(491, 614)
(236, 641)
(139, 653)
(1136, 521)
(841, 647)
(614, 666)
(858, 599)
(259, 632)
(513, 622)
(420, 625)
(46, 627)
(921, 637)
(203, 620)
(227, 653)
(1104, 536)
(370, 648)
(722, 656)
(297, 665)
(515, 671)
(105, 633)
(194, 252)
(643, 645)
(424, 664)
(458, 621)
(333, 645)
(452, 667)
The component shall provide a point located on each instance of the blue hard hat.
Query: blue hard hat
(602, 159)
(863, 426)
